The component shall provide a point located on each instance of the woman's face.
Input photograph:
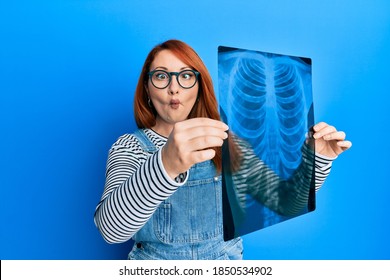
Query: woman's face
(173, 103)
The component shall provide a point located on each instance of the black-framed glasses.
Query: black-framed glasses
(161, 78)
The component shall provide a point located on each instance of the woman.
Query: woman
(163, 183)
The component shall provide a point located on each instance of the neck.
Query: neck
(162, 128)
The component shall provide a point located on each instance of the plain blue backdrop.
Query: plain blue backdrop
(68, 70)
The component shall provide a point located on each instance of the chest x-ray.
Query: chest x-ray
(268, 159)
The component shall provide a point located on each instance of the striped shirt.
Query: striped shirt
(136, 183)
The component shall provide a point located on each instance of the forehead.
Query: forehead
(167, 59)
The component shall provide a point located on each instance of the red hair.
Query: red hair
(206, 106)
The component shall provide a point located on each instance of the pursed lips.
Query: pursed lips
(174, 103)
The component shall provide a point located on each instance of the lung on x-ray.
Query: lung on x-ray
(268, 159)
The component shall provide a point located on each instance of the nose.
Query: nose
(174, 86)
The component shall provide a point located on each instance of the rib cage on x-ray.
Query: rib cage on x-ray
(267, 95)
(266, 100)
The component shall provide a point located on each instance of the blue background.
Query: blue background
(68, 70)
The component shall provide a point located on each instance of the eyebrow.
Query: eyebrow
(166, 69)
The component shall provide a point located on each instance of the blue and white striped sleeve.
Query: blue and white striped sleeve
(136, 183)
(323, 165)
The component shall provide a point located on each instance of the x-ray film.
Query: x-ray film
(268, 159)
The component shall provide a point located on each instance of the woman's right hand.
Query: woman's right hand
(190, 142)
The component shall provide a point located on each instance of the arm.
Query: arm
(286, 197)
(136, 184)
(289, 197)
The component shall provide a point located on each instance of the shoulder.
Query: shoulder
(134, 142)
(127, 141)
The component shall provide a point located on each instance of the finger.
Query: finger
(200, 156)
(204, 142)
(319, 126)
(324, 131)
(345, 145)
(201, 122)
(205, 131)
(338, 135)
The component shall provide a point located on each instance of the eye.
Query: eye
(161, 76)
(187, 75)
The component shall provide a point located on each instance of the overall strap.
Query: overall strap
(145, 142)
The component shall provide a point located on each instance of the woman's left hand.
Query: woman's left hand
(328, 141)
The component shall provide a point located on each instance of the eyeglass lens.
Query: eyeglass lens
(161, 79)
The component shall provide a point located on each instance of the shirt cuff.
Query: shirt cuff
(179, 180)
(320, 160)
(325, 158)
(323, 162)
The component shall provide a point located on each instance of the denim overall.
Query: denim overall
(187, 225)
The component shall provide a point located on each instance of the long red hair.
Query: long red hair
(206, 106)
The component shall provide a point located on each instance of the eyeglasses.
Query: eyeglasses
(161, 79)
